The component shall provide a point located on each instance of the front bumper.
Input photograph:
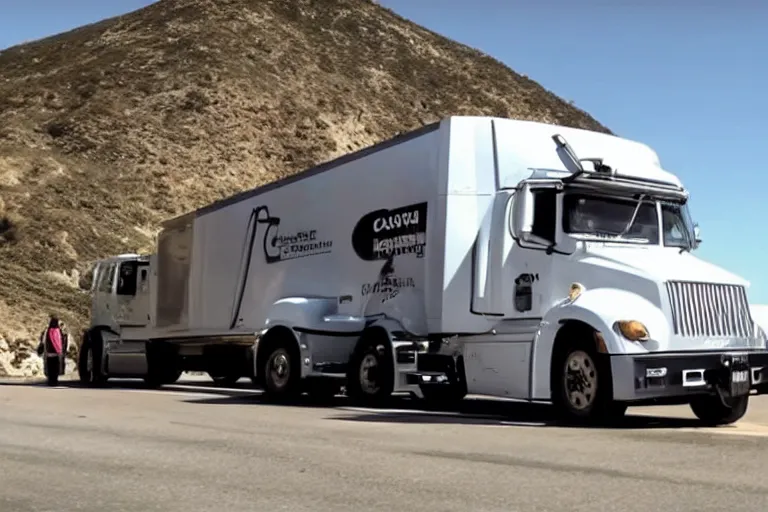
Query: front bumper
(637, 378)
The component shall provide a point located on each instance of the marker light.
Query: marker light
(632, 330)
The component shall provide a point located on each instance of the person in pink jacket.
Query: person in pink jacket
(52, 349)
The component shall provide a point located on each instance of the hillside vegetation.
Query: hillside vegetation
(110, 128)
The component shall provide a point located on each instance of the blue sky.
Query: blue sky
(686, 77)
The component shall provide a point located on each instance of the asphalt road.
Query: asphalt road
(192, 448)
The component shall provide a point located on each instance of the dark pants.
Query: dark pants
(53, 369)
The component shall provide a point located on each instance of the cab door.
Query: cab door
(500, 365)
(132, 293)
(533, 224)
(127, 356)
(103, 305)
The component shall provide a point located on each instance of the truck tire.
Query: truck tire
(711, 410)
(282, 373)
(88, 368)
(581, 383)
(370, 378)
(162, 365)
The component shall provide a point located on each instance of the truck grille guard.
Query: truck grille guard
(708, 310)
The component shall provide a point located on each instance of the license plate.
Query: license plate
(740, 382)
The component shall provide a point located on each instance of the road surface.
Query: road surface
(193, 448)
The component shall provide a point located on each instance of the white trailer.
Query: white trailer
(475, 255)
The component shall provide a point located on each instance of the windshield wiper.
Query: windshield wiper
(634, 216)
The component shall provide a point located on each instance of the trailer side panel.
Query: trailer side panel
(358, 235)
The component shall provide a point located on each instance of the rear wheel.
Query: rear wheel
(370, 378)
(582, 387)
(282, 374)
(162, 365)
(712, 411)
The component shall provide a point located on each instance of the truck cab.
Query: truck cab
(123, 340)
(584, 289)
(120, 292)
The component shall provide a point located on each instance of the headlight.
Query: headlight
(632, 330)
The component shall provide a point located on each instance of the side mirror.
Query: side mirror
(696, 236)
(521, 219)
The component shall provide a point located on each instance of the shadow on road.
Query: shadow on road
(406, 410)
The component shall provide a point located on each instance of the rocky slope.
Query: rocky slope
(108, 129)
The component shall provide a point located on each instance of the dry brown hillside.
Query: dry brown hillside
(108, 129)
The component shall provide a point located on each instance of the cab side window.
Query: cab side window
(545, 214)
(126, 284)
(107, 278)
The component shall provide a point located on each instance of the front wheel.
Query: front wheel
(89, 361)
(712, 411)
(582, 387)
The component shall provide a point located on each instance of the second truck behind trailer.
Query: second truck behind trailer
(475, 255)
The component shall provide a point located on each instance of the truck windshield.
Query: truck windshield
(624, 220)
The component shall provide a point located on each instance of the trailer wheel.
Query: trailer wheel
(88, 369)
(281, 373)
(711, 410)
(582, 387)
(370, 378)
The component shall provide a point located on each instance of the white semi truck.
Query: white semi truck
(474, 255)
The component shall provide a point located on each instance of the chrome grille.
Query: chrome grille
(710, 310)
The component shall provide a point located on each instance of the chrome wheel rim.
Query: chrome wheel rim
(580, 380)
(280, 368)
